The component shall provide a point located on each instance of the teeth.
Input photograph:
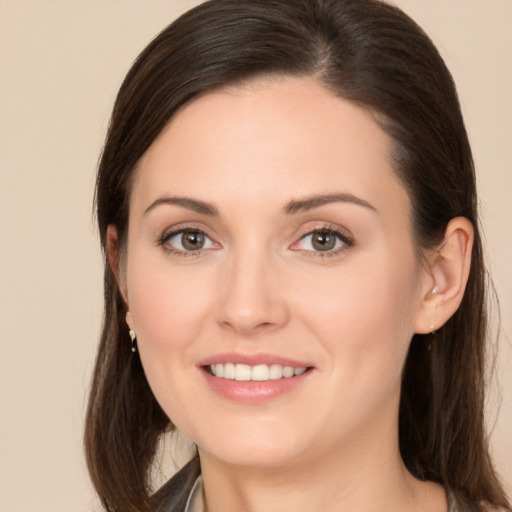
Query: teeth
(287, 371)
(276, 372)
(229, 371)
(259, 373)
(242, 372)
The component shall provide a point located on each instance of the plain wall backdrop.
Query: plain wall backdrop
(61, 63)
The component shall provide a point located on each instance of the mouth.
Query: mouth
(254, 378)
(257, 373)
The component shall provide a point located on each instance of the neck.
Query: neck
(364, 474)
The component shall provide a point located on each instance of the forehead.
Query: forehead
(271, 140)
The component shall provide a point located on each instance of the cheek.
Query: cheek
(369, 290)
(364, 316)
(363, 320)
(168, 308)
(166, 304)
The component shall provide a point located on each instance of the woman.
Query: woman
(294, 275)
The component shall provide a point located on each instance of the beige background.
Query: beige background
(61, 63)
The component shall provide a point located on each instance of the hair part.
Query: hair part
(372, 54)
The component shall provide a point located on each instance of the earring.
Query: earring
(133, 336)
(432, 326)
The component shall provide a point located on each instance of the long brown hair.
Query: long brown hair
(368, 52)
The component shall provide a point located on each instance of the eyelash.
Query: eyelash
(164, 239)
(346, 240)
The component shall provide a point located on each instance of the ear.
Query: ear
(447, 271)
(114, 261)
(114, 258)
(129, 320)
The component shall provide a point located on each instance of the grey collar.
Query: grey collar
(195, 502)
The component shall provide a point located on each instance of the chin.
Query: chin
(252, 456)
(257, 446)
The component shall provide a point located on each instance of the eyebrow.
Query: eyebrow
(292, 207)
(303, 205)
(185, 202)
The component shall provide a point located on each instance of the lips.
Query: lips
(253, 378)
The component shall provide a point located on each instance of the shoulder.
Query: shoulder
(173, 496)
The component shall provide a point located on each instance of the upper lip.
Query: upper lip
(252, 360)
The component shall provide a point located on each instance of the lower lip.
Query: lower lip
(254, 392)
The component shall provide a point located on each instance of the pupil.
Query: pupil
(192, 240)
(324, 241)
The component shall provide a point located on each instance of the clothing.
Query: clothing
(175, 495)
(195, 501)
(184, 492)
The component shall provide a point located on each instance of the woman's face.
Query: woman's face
(268, 237)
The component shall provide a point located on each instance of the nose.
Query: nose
(251, 298)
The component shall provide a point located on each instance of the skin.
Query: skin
(260, 286)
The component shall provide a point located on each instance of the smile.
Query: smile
(254, 378)
(258, 373)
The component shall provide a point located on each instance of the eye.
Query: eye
(188, 240)
(325, 240)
